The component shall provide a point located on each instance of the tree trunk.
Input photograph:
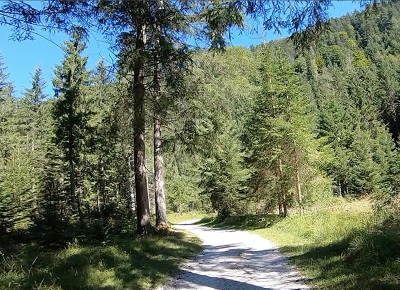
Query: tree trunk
(283, 207)
(142, 199)
(298, 190)
(131, 177)
(75, 198)
(161, 211)
(278, 192)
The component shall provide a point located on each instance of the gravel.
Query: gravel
(232, 260)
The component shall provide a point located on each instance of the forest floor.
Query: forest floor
(120, 261)
(234, 259)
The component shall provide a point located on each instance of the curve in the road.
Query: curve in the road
(234, 260)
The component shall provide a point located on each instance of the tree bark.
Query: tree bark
(161, 211)
(278, 192)
(144, 226)
(298, 190)
(283, 207)
(76, 204)
(131, 177)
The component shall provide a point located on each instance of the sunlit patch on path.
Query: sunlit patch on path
(234, 260)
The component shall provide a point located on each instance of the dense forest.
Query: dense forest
(250, 130)
(271, 129)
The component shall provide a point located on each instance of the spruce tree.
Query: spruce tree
(18, 162)
(71, 118)
(279, 134)
(7, 108)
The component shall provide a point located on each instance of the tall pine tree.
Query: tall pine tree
(71, 118)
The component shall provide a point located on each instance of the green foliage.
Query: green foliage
(279, 135)
(85, 182)
(120, 262)
(70, 121)
(183, 194)
(22, 138)
(344, 246)
(338, 245)
(223, 178)
(349, 124)
(206, 148)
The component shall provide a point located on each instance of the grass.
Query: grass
(121, 262)
(174, 218)
(343, 246)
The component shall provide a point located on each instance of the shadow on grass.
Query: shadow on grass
(120, 263)
(242, 222)
(365, 259)
(344, 265)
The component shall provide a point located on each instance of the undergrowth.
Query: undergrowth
(120, 262)
(174, 218)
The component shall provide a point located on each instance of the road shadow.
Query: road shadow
(244, 268)
(186, 277)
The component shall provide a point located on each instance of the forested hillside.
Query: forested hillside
(262, 130)
(246, 130)
(303, 124)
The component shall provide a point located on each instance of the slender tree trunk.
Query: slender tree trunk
(283, 208)
(278, 193)
(131, 177)
(298, 190)
(161, 210)
(75, 198)
(142, 199)
(177, 161)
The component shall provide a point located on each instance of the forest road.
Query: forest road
(232, 260)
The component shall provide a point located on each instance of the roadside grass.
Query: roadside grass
(121, 262)
(174, 218)
(342, 246)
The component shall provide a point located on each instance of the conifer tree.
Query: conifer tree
(70, 117)
(34, 115)
(7, 108)
(279, 134)
(20, 159)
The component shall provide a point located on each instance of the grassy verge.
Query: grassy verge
(175, 218)
(344, 246)
(120, 263)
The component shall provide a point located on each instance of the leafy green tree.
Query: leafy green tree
(349, 123)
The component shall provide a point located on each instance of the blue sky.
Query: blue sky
(22, 58)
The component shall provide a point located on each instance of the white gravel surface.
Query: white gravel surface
(232, 260)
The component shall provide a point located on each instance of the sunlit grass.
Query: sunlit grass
(343, 245)
(119, 263)
(175, 218)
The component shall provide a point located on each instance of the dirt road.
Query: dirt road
(234, 260)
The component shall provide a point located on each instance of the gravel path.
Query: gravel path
(234, 260)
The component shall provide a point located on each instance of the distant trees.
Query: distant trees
(244, 131)
(279, 135)
(23, 137)
(212, 124)
(8, 191)
(355, 98)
